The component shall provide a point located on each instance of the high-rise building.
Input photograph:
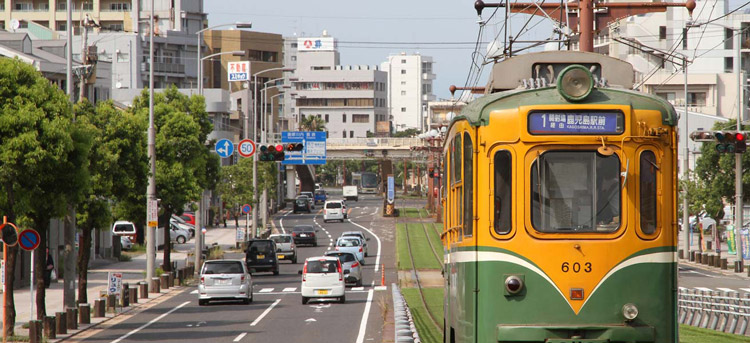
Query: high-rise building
(409, 89)
(351, 100)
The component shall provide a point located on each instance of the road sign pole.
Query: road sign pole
(31, 288)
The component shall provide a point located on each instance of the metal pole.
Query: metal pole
(686, 167)
(69, 227)
(198, 232)
(151, 191)
(255, 162)
(69, 50)
(738, 157)
(31, 288)
(200, 70)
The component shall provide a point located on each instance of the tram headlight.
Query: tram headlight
(513, 284)
(575, 83)
(629, 311)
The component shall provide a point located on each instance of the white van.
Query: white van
(322, 277)
(333, 210)
(350, 193)
(123, 228)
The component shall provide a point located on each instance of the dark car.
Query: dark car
(302, 204)
(305, 234)
(260, 256)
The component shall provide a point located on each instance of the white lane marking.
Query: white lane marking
(281, 221)
(699, 273)
(149, 323)
(266, 290)
(290, 289)
(298, 292)
(381, 288)
(194, 292)
(265, 312)
(242, 335)
(725, 289)
(365, 315)
(745, 289)
(357, 288)
(704, 289)
(376, 211)
(377, 259)
(372, 283)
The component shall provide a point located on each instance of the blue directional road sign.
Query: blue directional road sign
(314, 143)
(224, 148)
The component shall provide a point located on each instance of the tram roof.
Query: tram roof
(478, 111)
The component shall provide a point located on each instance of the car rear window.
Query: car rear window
(223, 267)
(261, 247)
(348, 243)
(302, 228)
(353, 234)
(301, 201)
(343, 257)
(333, 205)
(282, 239)
(322, 266)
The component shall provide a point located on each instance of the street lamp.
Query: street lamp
(242, 25)
(264, 119)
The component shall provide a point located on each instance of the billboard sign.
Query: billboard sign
(391, 189)
(238, 71)
(316, 44)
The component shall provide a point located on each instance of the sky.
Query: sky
(368, 32)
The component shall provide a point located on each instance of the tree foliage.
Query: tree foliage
(236, 184)
(312, 123)
(406, 133)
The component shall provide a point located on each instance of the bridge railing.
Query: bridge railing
(721, 311)
(375, 142)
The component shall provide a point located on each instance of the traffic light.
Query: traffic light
(728, 142)
(294, 147)
(431, 172)
(271, 153)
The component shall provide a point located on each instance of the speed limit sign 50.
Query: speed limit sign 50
(246, 148)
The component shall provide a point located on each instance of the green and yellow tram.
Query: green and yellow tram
(560, 207)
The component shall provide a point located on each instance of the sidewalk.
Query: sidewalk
(133, 272)
(724, 254)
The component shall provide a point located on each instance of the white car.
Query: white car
(353, 245)
(178, 234)
(225, 280)
(333, 210)
(323, 277)
(126, 243)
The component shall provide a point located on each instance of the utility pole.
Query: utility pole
(69, 228)
(87, 69)
(151, 204)
(581, 14)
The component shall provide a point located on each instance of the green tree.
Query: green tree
(118, 167)
(236, 186)
(184, 165)
(312, 123)
(406, 133)
(35, 139)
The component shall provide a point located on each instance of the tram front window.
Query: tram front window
(575, 191)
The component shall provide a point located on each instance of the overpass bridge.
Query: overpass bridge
(376, 148)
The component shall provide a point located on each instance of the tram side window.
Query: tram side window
(468, 186)
(648, 192)
(502, 192)
(458, 192)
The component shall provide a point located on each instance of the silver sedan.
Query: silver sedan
(352, 268)
(225, 280)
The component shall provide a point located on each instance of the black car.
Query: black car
(260, 256)
(302, 204)
(305, 234)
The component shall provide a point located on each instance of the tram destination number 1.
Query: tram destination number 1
(576, 267)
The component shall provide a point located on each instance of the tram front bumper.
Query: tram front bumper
(584, 334)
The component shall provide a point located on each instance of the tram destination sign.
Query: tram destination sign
(576, 123)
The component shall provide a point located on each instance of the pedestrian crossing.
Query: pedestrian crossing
(715, 289)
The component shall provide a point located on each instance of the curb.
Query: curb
(127, 313)
(704, 267)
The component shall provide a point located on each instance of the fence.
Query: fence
(721, 311)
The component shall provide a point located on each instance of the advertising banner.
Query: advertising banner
(745, 237)
(114, 284)
(731, 243)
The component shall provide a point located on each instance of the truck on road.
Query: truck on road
(351, 193)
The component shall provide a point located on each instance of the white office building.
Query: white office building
(351, 99)
(410, 80)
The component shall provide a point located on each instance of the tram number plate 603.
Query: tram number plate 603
(576, 267)
(575, 340)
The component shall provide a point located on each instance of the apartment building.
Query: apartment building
(410, 80)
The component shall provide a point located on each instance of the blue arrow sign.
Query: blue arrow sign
(224, 148)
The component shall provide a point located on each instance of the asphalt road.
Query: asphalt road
(277, 313)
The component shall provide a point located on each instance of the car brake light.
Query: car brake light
(355, 264)
(304, 272)
(203, 280)
(242, 278)
(341, 274)
(360, 249)
(337, 248)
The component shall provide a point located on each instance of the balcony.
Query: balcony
(428, 76)
(161, 67)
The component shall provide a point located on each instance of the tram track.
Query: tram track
(427, 235)
(416, 272)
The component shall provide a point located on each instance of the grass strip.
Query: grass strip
(427, 330)
(434, 238)
(691, 334)
(420, 248)
(403, 262)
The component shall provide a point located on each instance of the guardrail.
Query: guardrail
(721, 311)
(405, 329)
(375, 142)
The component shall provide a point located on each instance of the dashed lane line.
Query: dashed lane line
(266, 290)
(242, 335)
(365, 315)
(262, 315)
(377, 258)
(290, 289)
(134, 331)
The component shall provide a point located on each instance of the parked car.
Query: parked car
(188, 218)
(225, 280)
(177, 221)
(352, 267)
(361, 236)
(285, 247)
(351, 193)
(322, 277)
(302, 204)
(352, 245)
(333, 210)
(260, 256)
(123, 228)
(320, 196)
(178, 234)
(126, 243)
(309, 195)
(305, 234)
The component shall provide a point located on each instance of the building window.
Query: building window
(403, 83)
(662, 32)
(403, 109)
(403, 61)
(403, 93)
(62, 6)
(343, 118)
(666, 96)
(351, 134)
(61, 26)
(294, 45)
(326, 118)
(360, 118)
(293, 58)
(24, 6)
(87, 6)
(728, 64)
(123, 57)
(696, 99)
(343, 134)
(403, 71)
(119, 7)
